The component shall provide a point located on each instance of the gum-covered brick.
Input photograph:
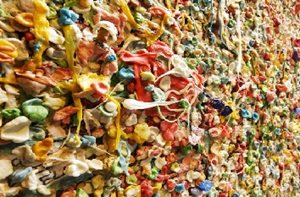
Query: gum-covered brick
(149, 98)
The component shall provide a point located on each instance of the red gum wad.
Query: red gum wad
(168, 130)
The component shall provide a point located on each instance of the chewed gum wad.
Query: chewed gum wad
(149, 98)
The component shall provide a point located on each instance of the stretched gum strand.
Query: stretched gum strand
(70, 50)
(41, 26)
(118, 121)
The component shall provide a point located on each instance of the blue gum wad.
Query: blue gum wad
(126, 73)
(205, 185)
(179, 187)
(19, 175)
(88, 140)
(111, 58)
(255, 116)
(67, 17)
(297, 111)
(245, 113)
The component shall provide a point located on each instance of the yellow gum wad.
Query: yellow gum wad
(7, 48)
(42, 148)
(149, 36)
(141, 133)
(8, 52)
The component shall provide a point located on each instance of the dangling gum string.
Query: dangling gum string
(170, 121)
(174, 110)
(170, 39)
(160, 31)
(212, 17)
(118, 120)
(128, 40)
(108, 94)
(193, 100)
(239, 63)
(234, 101)
(123, 145)
(116, 87)
(178, 92)
(8, 81)
(177, 110)
(170, 72)
(41, 26)
(168, 3)
(220, 19)
(189, 22)
(238, 26)
(158, 3)
(182, 18)
(98, 149)
(185, 17)
(67, 138)
(188, 110)
(70, 50)
(127, 12)
(150, 37)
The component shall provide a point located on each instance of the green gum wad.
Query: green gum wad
(10, 113)
(153, 174)
(81, 193)
(116, 169)
(34, 110)
(36, 113)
